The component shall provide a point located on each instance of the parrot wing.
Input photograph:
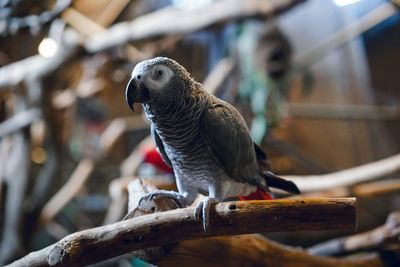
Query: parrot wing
(160, 146)
(272, 179)
(229, 140)
(262, 158)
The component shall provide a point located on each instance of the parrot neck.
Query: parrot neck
(179, 110)
(182, 116)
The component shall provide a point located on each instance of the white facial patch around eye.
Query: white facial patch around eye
(138, 70)
(160, 76)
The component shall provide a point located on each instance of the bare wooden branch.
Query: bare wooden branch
(89, 27)
(228, 218)
(253, 250)
(68, 191)
(45, 178)
(118, 192)
(18, 121)
(36, 65)
(112, 134)
(131, 164)
(377, 188)
(363, 173)
(385, 235)
(16, 177)
(218, 75)
(347, 34)
(165, 21)
(137, 189)
(171, 20)
(117, 128)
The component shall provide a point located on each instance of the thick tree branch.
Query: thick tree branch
(228, 218)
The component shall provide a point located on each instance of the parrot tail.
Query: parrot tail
(280, 183)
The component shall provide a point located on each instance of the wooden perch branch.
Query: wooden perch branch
(228, 218)
(171, 20)
(363, 173)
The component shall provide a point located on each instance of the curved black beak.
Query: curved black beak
(131, 93)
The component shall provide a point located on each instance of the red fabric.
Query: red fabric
(259, 194)
(152, 156)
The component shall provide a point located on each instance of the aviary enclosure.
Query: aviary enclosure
(315, 81)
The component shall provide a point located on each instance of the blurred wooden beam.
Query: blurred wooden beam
(378, 188)
(343, 36)
(80, 22)
(90, 27)
(352, 176)
(111, 12)
(218, 75)
(378, 238)
(228, 218)
(19, 121)
(131, 164)
(167, 21)
(37, 66)
(344, 111)
(117, 128)
(74, 184)
(170, 21)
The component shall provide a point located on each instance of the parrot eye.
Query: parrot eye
(160, 73)
(159, 77)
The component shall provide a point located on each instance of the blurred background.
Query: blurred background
(317, 82)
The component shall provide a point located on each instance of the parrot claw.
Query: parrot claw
(175, 196)
(202, 212)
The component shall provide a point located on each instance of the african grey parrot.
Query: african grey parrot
(204, 139)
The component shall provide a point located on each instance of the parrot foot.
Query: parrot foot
(202, 212)
(175, 196)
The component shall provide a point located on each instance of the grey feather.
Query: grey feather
(160, 146)
(228, 137)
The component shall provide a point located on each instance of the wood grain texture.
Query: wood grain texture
(228, 218)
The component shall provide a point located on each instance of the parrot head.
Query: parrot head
(158, 80)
